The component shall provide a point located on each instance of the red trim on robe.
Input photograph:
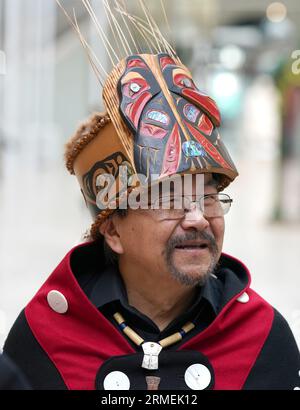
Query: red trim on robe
(81, 340)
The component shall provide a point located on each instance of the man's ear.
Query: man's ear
(109, 230)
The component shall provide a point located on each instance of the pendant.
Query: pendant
(151, 352)
(152, 382)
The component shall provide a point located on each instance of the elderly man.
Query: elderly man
(150, 302)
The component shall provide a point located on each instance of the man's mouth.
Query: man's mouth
(192, 246)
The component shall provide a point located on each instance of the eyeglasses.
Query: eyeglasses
(177, 207)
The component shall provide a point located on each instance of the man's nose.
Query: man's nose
(194, 218)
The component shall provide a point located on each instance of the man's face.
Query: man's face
(187, 249)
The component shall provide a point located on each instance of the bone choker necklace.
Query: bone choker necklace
(152, 349)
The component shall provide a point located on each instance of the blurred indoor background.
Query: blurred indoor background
(243, 53)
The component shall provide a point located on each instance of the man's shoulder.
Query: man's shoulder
(11, 377)
(23, 348)
(278, 363)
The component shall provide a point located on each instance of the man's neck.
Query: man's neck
(162, 299)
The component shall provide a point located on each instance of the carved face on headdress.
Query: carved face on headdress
(158, 122)
(173, 124)
(161, 125)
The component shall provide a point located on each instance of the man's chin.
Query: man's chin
(191, 275)
(191, 268)
(189, 278)
(195, 271)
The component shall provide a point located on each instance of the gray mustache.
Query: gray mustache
(192, 236)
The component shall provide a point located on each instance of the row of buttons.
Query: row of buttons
(59, 303)
(197, 377)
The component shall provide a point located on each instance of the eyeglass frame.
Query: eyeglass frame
(200, 207)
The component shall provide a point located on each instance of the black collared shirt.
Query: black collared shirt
(107, 292)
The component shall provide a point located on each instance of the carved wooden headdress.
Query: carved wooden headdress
(157, 122)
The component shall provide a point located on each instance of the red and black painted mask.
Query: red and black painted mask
(174, 125)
